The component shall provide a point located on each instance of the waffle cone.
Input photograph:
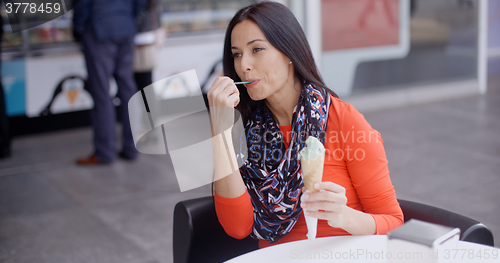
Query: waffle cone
(312, 171)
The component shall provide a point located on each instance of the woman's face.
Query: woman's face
(256, 59)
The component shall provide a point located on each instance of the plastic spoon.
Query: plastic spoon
(244, 82)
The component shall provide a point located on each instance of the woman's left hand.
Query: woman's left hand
(330, 204)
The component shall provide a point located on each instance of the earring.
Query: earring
(290, 62)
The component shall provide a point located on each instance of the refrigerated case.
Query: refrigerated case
(41, 66)
(191, 16)
(178, 18)
(55, 33)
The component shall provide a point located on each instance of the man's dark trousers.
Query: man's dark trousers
(106, 59)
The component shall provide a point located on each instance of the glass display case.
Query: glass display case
(10, 40)
(53, 32)
(191, 16)
(178, 18)
(37, 60)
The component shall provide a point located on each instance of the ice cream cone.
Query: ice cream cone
(312, 171)
(72, 93)
(312, 225)
(312, 159)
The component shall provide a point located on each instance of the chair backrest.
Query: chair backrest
(199, 237)
(470, 229)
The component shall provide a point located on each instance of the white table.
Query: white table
(358, 249)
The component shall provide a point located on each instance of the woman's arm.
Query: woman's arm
(235, 215)
(369, 173)
(366, 163)
(232, 202)
(223, 96)
(228, 181)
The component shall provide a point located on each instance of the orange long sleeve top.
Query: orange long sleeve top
(354, 158)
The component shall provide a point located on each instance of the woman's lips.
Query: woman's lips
(250, 85)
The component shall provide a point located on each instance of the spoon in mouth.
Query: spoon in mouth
(244, 82)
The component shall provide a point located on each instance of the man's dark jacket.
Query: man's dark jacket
(110, 19)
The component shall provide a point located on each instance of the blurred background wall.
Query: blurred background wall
(389, 48)
(389, 58)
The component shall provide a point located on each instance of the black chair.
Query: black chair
(470, 229)
(199, 237)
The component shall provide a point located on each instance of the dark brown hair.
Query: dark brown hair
(283, 31)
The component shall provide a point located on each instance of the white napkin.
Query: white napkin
(311, 223)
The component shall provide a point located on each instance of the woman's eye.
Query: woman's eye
(257, 49)
(236, 55)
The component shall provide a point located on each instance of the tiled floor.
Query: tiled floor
(54, 211)
(445, 154)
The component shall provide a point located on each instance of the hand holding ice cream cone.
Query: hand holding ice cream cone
(312, 159)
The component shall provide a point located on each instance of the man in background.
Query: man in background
(106, 29)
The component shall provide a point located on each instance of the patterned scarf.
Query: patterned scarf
(272, 173)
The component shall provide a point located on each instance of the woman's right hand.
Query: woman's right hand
(223, 93)
(223, 97)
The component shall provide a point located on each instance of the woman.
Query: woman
(287, 102)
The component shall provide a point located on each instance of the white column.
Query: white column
(482, 56)
(313, 29)
(297, 8)
(284, 2)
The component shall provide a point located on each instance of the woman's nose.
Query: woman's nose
(246, 63)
